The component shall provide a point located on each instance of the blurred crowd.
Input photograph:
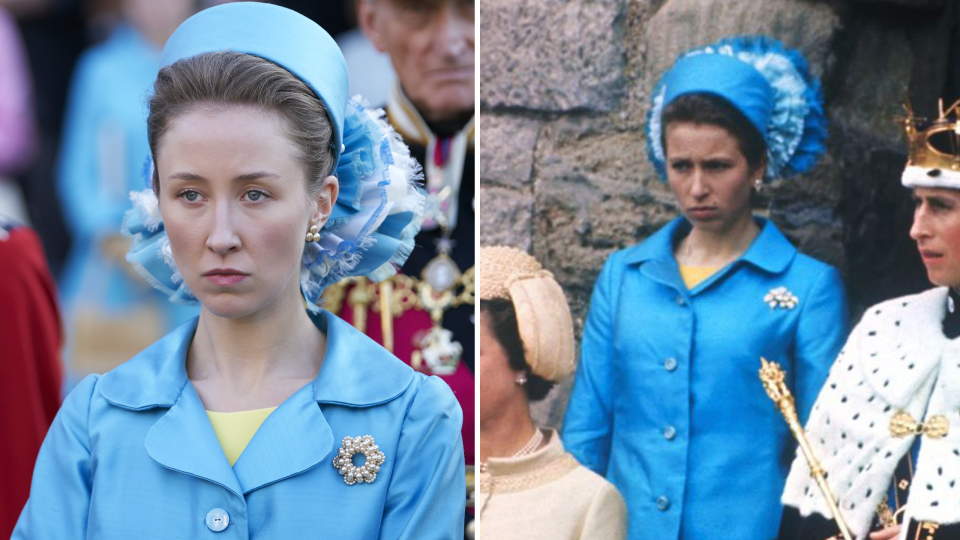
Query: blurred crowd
(74, 78)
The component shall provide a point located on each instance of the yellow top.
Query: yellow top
(235, 429)
(694, 275)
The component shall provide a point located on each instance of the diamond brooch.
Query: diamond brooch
(782, 298)
(367, 472)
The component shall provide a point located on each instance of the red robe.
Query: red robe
(30, 370)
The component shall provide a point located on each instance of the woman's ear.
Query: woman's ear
(762, 168)
(329, 189)
(760, 171)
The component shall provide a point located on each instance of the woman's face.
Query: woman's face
(708, 175)
(235, 207)
(497, 381)
(936, 229)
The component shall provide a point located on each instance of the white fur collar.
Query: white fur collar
(897, 358)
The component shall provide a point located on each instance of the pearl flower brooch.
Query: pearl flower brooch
(782, 298)
(367, 472)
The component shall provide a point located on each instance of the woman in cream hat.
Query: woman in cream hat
(530, 487)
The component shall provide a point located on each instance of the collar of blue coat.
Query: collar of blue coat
(770, 250)
(350, 375)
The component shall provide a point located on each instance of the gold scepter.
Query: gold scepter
(773, 382)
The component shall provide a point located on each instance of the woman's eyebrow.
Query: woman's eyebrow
(255, 175)
(191, 177)
(186, 176)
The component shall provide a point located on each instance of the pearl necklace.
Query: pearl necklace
(530, 447)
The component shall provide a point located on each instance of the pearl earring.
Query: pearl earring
(521, 379)
(758, 184)
(313, 235)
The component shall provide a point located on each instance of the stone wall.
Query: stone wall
(564, 87)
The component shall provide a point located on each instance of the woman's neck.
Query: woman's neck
(716, 248)
(255, 361)
(504, 435)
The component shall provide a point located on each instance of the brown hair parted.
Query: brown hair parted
(227, 78)
(702, 108)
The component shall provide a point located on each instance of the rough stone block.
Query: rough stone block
(504, 217)
(505, 150)
(551, 55)
(681, 25)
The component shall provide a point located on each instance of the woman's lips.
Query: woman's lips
(702, 212)
(225, 280)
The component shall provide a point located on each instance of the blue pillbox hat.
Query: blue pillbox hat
(273, 33)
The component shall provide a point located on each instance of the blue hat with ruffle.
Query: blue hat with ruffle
(380, 204)
(768, 83)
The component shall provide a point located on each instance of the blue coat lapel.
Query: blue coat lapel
(183, 440)
(293, 439)
(770, 252)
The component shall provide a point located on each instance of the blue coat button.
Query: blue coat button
(663, 503)
(669, 433)
(217, 519)
(670, 364)
(681, 301)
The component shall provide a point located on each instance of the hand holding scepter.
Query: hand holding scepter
(773, 382)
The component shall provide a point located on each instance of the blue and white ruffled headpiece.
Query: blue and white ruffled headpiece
(380, 204)
(770, 84)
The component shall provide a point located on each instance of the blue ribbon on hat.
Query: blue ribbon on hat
(379, 207)
(768, 83)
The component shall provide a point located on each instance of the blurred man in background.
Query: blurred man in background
(429, 322)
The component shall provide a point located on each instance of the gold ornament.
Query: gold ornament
(921, 153)
(773, 382)
(902, 425)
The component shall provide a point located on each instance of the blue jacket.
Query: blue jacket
(132, 454)
(667, 403)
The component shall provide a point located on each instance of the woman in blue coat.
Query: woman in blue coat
(259, 418)
(667, 403)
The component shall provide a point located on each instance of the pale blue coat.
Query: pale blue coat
(132, 454)
(667, 403)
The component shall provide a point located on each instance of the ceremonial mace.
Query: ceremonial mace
(772, 376)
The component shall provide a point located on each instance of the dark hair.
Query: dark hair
(226, 78)
(503, 322)
(701, 108)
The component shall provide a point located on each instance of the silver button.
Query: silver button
(669, 433)
(663, 503)
(670, 364)
(217, 519)
(681, 301)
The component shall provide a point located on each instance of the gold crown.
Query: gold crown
(921, 153)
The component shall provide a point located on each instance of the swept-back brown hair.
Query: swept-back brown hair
(701, 108)
(222, 79)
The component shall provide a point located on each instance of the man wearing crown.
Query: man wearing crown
(886, 426)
